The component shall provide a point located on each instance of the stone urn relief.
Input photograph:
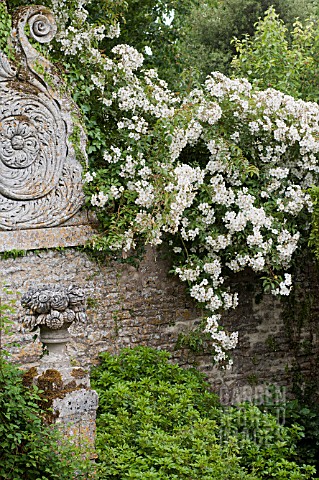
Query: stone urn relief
(53, 309)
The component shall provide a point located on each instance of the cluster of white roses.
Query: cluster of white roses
(222, 173)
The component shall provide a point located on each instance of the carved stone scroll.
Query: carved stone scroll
(40, 176)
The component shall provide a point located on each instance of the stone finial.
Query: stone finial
(65, 390)
(53, 309)
(41, 137)
(53, 306)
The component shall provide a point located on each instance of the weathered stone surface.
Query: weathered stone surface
(67, 401)
(66, 236)
(74, 232)
(40, 177)
(76, 416)
(76, 404)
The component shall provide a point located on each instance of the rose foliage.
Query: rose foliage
(220, 174)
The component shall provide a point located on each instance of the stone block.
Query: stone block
(34, 239)
(76, 415)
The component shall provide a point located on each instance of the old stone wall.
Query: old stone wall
(130, 306)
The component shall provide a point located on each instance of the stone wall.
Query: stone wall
(126, 306)
(146, 306)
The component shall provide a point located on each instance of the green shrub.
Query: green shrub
(266, 448)
(159, 421)
(308, 417)
(305, 413)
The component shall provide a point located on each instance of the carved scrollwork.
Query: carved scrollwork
(7, 72)
(40, 177)
(42, 27)
(32, 147)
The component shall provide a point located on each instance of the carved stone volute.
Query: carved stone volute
(40, 176)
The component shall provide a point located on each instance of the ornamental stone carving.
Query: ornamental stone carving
(53, 306)
(53, 309)
(71, 402)
(40, 176)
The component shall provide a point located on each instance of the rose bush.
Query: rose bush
(223, 178)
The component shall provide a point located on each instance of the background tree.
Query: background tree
(274, 57)
(212, 26)
(154, 28)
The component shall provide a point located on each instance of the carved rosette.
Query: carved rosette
(40, 177)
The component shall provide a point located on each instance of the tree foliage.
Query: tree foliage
(274, 57)
(212, 26)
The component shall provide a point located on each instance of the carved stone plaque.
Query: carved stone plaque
(40, 176)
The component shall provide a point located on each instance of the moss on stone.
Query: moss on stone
(28, 377)
(50, 382)
(79, 373)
